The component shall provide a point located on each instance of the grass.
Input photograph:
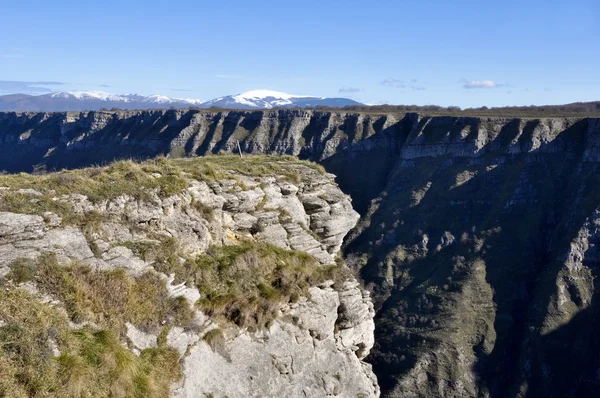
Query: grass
(99, 183)
(214, 338)
(25, 203)
(246, 284)
(206, 211)
(163, 254)
(41, 356)
(109, 298)
(285, 168)
(166, 177)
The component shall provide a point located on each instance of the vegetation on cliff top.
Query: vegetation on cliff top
(245, 284)
(166, 177)
(63, 324)
(41, 356)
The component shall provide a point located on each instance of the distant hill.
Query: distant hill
(265, 99)
(89, 100)
(96, 100)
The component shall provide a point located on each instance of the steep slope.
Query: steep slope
(478, 249)
(209, 277)
(477, 237)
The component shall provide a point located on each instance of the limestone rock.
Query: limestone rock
(291, 359)
(315, 347)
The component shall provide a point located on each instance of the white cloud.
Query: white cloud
(391, 82)
(13, 86)
(229, 77)
(470, 84)
(397, 83)
(348, 89)
(12, 53)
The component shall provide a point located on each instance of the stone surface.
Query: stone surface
(478, 236)
(315, 347)
(292, 359)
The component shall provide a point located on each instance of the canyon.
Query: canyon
(477, 238)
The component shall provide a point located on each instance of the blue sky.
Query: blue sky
(465, 53)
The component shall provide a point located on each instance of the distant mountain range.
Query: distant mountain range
(265, 99)
(96, 100)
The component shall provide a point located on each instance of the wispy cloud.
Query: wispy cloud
(397, 83)
(348, 89)
(229, 77)
(179, 89)
(105, 85)
(472, 84)
(14, 86)
(12, 53)
(391, 82)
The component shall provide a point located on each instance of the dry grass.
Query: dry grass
(207, 212)
(108, 299)
(99, 183)
(40, 356)
(214, 338)
(246, 284)
(166, 177)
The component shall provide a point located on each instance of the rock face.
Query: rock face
(315, 346)
(481, 253)
(317, 355)
(478, 237)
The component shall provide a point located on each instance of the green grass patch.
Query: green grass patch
(245, 284)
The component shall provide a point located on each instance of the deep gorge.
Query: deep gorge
(477, 239)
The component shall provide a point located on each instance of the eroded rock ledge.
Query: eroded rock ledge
(315, 347)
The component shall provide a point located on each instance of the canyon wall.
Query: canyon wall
(477, 238)
(139, 266)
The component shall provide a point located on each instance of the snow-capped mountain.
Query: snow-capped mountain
(266, 99)
(90, 100)
(129, 98)
(96, 100)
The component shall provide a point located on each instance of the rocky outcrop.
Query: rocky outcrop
(315, 346)
(318, 354)
(477, 236)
